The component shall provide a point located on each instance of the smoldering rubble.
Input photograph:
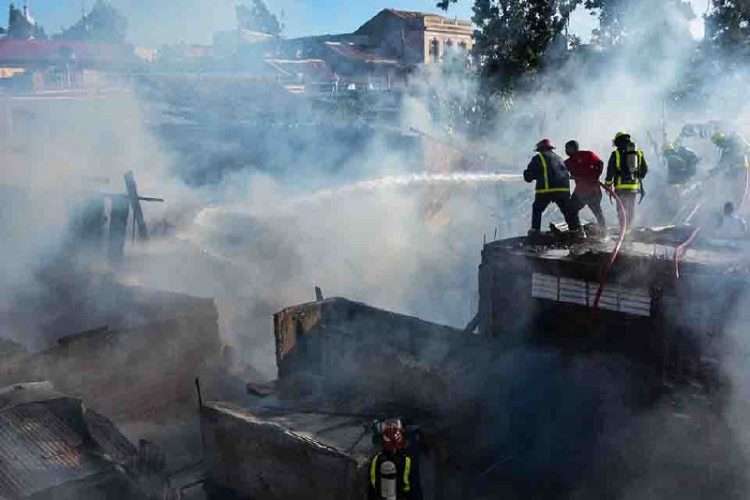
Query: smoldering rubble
(226, 266)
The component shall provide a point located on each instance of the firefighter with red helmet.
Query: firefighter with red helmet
(552, 186)
(394, 473)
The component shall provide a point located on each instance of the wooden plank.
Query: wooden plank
(135, 203)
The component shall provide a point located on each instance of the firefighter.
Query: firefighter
(394, 472)
(552, 186)
(730, 224)
(585, 168)
(732, 168)
(682, 164)
(733, 149)
(625, 172)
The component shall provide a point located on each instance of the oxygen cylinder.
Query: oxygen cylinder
(631, 160)
(388, 483)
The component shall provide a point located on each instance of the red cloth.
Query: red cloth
(586, 168)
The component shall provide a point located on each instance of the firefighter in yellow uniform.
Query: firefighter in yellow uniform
(552, 179)
(733, 166)
(393, 472)
(626, 170)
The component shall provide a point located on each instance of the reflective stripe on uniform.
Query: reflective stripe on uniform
(374, 471)
(407, 474)
(626, 186)
(545, 174)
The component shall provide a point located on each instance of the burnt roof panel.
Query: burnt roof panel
(39, 451)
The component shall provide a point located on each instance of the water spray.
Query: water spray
(397, 181)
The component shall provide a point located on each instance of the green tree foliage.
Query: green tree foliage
(611, 30)
(257, 17)
(623, 19)
(728, 26)
(22, 26)
(513, 36)
(103, 23)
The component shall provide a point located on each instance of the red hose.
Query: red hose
(747, 185)
(618, 246)
(680, 251)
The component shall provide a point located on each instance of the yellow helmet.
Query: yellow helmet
(719, 138)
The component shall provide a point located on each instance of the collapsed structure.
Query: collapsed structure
(52, 447)
(162, 341)
(650, 351)
(318, 418)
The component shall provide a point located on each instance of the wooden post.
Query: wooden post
(200, 417)
(119, 213)
(135, 202)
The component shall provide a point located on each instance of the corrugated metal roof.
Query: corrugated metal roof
(351, 51)
(39, 451)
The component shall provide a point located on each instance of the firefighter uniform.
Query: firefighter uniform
(682, 164)
(733, 166)
(552, 186)
(393, 476)
(626, 170)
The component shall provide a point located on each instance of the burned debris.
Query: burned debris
(52, 446)
(166, 213)
(632, 358)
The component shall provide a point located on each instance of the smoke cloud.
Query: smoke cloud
(259, 213)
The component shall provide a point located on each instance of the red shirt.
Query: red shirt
(586, 168)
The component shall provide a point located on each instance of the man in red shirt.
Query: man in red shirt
(585, 168)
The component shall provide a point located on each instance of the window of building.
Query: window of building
(435, 50)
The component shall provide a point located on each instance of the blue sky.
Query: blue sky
(153, 22)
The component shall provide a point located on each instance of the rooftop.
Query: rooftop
(332, 434)
(658, 244)
(358, 53)
(56, 51)
(41, 447)
(311, 70)
(410, 15)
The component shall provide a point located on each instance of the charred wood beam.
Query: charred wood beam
(135, 203)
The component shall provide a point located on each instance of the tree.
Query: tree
(103, 23)
(728, 26)
(22, 26)
(258, 18)
(514, 36)
(622, 19)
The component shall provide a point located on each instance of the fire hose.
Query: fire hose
(680, 251)
(618, 245)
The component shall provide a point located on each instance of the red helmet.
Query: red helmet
(393, 438)
(544, 145)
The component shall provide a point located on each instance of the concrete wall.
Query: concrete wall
(370, 357)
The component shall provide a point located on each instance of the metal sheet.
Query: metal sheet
(634, 301)
(39, 451)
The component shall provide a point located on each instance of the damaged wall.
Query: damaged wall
(294, 456)
(330, 344)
